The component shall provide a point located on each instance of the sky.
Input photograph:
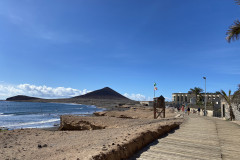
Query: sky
(59, 48)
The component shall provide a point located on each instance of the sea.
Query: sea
(16, 115)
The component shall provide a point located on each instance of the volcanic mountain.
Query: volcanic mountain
(21, 98)
(104, 93)
(105, 97)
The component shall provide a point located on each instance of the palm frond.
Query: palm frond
(238, 2)
(196, 90)
(224, 95)
(236, 94)
(217, 92)
(233, 31)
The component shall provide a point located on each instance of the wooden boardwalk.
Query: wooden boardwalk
(202, 138)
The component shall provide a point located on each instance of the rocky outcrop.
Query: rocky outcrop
(3, 128)
(99, 113)
(78, 123)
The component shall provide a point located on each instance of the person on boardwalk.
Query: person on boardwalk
(198, 110)
(188, 110)
(182, 110)
(178, 108)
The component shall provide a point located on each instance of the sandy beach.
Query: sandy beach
(107, 135)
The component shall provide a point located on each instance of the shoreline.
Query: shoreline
(110, 135)
(15, 127)
(104, 109)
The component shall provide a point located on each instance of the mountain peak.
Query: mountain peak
(104, 93)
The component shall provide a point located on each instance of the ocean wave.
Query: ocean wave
(83, 113)
(32, 123)
(91, 106)
(6, 115)
(73, 104)
(44, 126)
(66, 103)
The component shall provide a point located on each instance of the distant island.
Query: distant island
(21, 97)
(105, 97)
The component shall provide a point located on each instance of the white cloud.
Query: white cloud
(38, 91)
(140, 97)
(43, 91)
(137, 97)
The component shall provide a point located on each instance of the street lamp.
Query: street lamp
(205, 100)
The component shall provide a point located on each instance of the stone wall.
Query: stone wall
(236, 111)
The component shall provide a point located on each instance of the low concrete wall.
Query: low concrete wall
(194, 111)
(209, 113)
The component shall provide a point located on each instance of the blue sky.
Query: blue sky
(124, 44)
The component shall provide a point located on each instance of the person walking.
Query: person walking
(188, 110)
(182, 110)
(178, 109)
(198, 110)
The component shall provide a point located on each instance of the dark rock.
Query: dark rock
(3, 128)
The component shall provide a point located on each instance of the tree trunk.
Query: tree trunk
(196, 99)
(232, 116)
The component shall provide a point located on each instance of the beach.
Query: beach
(115, 134)
(17, 115)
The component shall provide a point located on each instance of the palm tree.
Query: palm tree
(197, 91)
(234, 30)
(237, 99)
(238, 2)
(230, 99)
(217, 92)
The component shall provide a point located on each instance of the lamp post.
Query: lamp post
(205, 99)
